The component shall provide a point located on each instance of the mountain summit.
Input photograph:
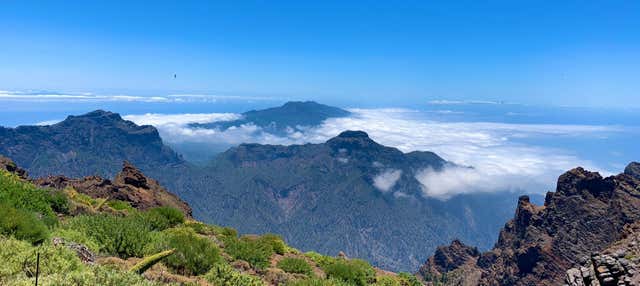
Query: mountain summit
(95, 143)
(289, 117)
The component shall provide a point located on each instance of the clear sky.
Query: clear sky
(540, 52)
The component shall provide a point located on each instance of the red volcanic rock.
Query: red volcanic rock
(587, 213)
(129, 185)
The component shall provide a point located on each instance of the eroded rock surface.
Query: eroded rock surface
(587, 213)
(130, 185)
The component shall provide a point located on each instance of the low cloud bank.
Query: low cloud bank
(386, 180)
(495, 150)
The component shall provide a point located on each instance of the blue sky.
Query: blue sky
(584, 53)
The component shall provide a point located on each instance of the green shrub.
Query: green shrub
(317, 282)
(353, 271)
(59, 202)
(408, 279)
(253, 250)
(161, 218)
(224, 275)
(23, 195)
(121, 236)
(229, 232)
(207, 229)
(202, 228)
(319, 259)
(120, 205)
(387, 281)
(98, 275)
(19, 259)
(194, 254)
(295, 265)
(276, 242)
(22, 225)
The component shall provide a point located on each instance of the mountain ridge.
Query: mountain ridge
(95, 143)
(348, 194)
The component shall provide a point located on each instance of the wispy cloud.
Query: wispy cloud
(457, 102)
(386, 180)
(40, 96)
(495, 150)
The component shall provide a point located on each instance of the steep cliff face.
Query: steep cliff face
(130, 185)
(586, 213)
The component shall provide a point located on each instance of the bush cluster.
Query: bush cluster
(120, 236)
(22, 225)
(318, 282)
(224, 275)
(194, 254)
(353, 271)
(321, 260)
(255, 250)
(161, 218)
(408, 279)
(295, 265)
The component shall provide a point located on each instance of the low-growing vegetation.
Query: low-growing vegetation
(295, 265)
(251, 249)
(194, 254)
(122, 236)
(354, 271)
(160, 242)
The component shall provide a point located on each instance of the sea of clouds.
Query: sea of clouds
(498, 159)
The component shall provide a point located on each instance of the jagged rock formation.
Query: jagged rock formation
(95, 143)
(8, 165)
(448, 258)
(587, 213)
(130, 185)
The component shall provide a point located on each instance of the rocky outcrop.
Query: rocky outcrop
(81, 250)
(447, 258)
(130, 185)
(587, 213)
(11, 167)
(633, 170)
(456, 256)
(617, 265)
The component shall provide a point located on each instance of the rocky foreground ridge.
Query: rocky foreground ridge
(130, 185)
(585, 234)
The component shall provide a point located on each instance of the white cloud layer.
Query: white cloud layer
(386, 180)
(500, 162)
